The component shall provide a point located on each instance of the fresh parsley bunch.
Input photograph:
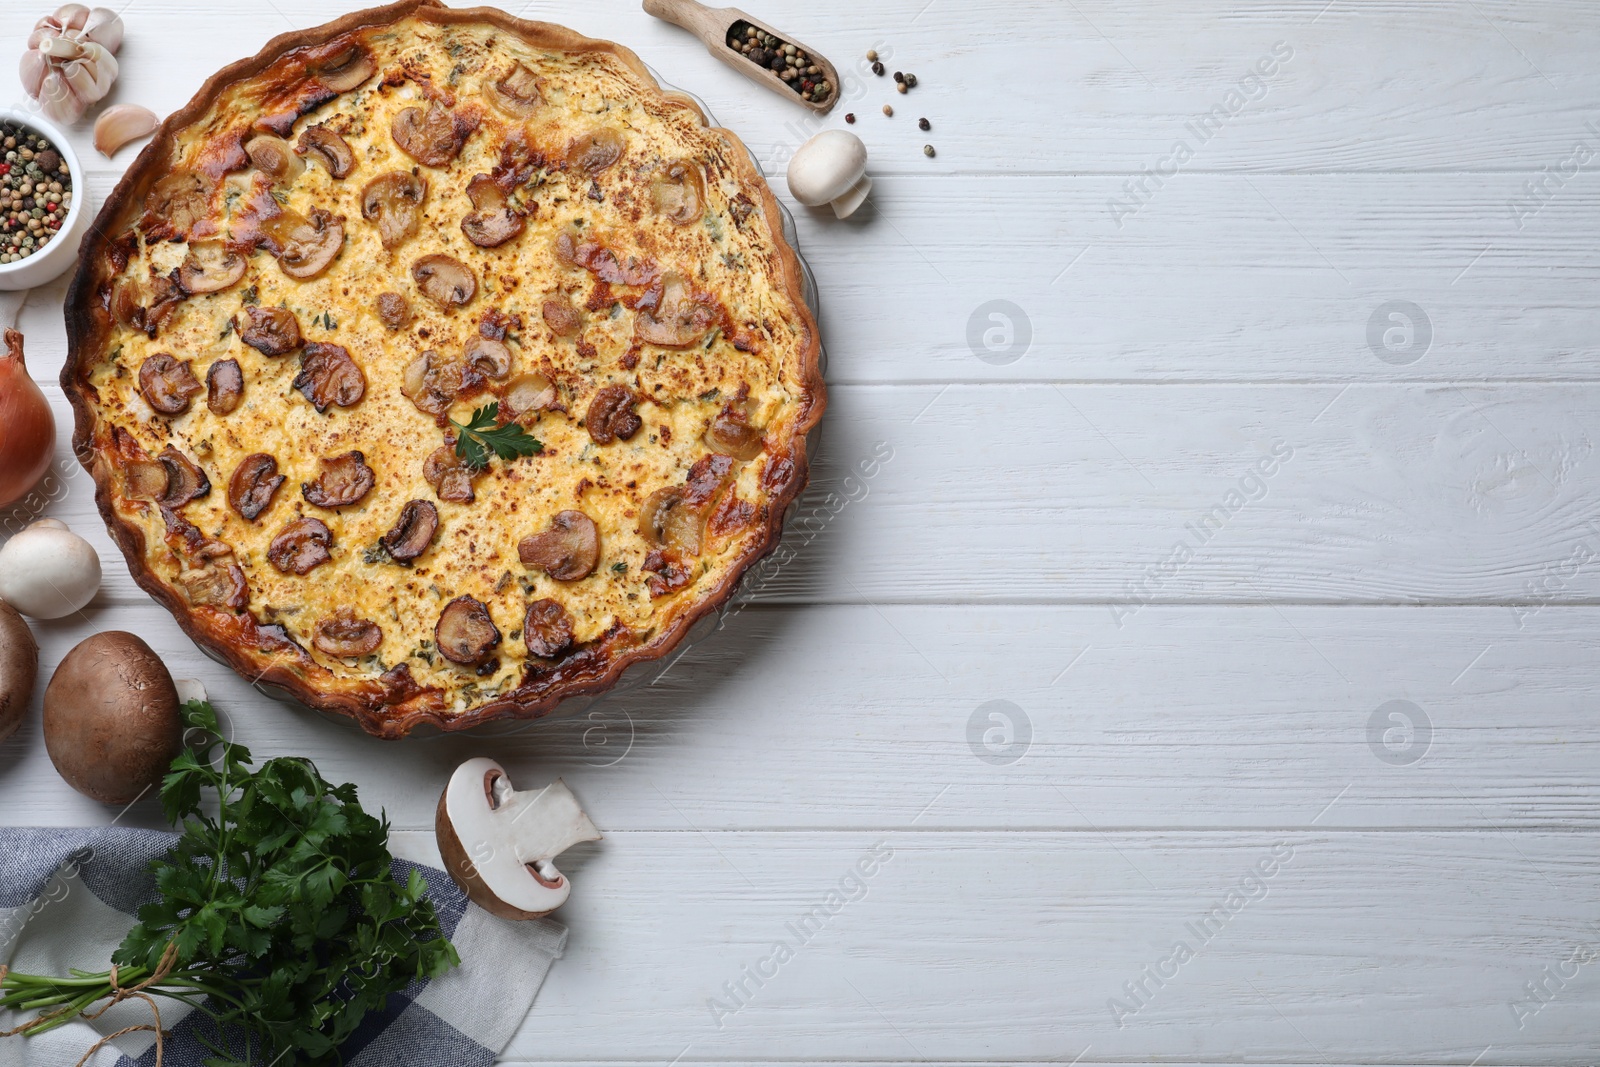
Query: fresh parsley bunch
(282, 918)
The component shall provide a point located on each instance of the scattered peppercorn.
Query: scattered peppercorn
(927, 150)
(801, 72)
(901, 87)
(872, 55)
(898, 77)
(887, 110)
(877, 68)
(911, 81)
(35, 192)
(851, 118)
(924, 124)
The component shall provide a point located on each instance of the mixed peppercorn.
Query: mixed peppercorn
(800, 71)
(35, 192)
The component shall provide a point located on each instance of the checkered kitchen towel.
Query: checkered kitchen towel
(67, 898)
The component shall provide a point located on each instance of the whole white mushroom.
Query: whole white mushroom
(47, 571)
(831, 168)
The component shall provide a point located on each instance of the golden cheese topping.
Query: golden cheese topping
(444, 367)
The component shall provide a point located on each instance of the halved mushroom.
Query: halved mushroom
(328, 148)
(547, 630)
(611, 415)
(498, 844)
(255, 480)
(344, 480)
(493, 221)
(516, 94)
(595, 151)
(216, 582)
(329, 376)
(526, 394)
(394, 311)
(731, 434)
(465, 633)
(449, 475)
(176, 202)
(270, 331)
(308, 245)
(561, 316)
(394, 201)
(445, 280)
(185, 480)
(144, 479)
(567, 551)
(412, 532)
(490, 358)
(680, 192)
(167, 383)
(274, 157)
(345, 634)
(669, 520)
(344, 69)
(211, 266)
(301, 547)
(224, 386)
(670, 315)
(431, 382)
(433, 137)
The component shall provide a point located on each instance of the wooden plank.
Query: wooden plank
(1091, 86)
(1013, 946)
(916, 717)
(1131, 495)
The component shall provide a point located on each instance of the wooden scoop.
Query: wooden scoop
(711, 25)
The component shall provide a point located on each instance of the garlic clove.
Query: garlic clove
(33, 68)
(104, 28)
(71, 16)
(121, 124)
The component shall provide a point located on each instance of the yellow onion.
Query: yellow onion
(27, 428)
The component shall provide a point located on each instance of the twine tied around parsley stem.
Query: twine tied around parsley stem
(164, 968)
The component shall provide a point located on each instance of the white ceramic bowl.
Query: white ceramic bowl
(57, 257)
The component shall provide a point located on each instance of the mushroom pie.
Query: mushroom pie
(435, 366)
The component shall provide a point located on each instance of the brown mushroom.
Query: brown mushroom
(309, 245)
(344, 634)
(731, 434)
(679, 193)
(488, 357)
(671, 316)
(224, 386)
(547, 629)
(301, 547)
(449, 475)
(413, 531)
(561, 316)
(493, 221)
(394, 201)
(526, 394)
(445, 280)
(274, 157)
(345, 68)
(211, 266)
(167, 383)
(567, 551)
(465, 633)
(431, 382)
(19, 669)
(270, 331)
(329, 376)
(177, 201)
(328, 148)
(394, 311)
(669, 520)
(611, 415)
(517, 93)
(433, 137)
(345, 480)
(595, 151)
(185, 480)
(255, 480)
(111, 721)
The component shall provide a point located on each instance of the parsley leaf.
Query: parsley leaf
(482, 434)
(279, 917)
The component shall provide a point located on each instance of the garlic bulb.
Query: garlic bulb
(70, 60)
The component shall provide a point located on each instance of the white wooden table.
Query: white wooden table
(1302, 426)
